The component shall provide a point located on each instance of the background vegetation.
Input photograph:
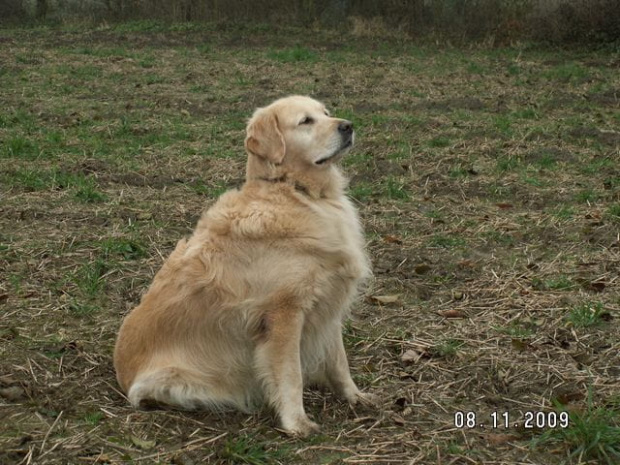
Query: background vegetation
(499, 22)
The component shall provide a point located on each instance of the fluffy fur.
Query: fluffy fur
(250, 307)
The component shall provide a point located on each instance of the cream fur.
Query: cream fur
(250, 307)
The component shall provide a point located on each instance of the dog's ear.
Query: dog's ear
(264, 138)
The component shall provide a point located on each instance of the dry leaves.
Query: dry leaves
(452, 313)
(411, 356)
(384, 299)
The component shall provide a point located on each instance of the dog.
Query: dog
(249, 309)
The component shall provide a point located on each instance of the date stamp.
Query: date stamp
(504, 420)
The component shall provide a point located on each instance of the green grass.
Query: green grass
(613, 212)
(516, 330)
(586, 315)
(459, 171)
(439, 142)
(84, 189)
(125, 248)
(402, 151)
(567, 73)
(507, 163)
(21, 148)
(553, 283)
(564, 212)
(83, 308)
(357, 159)
(244, 449)
(361, 191)
(296, 54)
(212, 190)
(592, 435)
(89, 278)
(394, 189)
(546, 161)
(498, 237)
(504, 124)
(528, 113)
(587, 196)
(447, 241)
(94, 418)
(447, 348)
(87, 191)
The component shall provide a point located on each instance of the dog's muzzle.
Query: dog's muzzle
(347, 135)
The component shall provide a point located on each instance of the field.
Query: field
(488, 182)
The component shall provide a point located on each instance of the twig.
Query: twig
(49, 431)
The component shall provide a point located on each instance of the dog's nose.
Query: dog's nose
(345, 127)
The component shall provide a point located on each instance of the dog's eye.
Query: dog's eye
(307, 120)
(326, 113)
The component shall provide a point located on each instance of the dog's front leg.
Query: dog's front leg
(278, 364)
(338, 373)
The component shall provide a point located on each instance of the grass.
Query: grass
(487, 184)
(593, 436)
(447, 241)
(89, 278)
(94, 418)
(613, 212)
(447, 348)
(586, 315)
(83, 188)
(126, 248)
(245, 449)
(293, 55)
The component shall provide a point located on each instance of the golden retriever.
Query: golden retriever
(250, 307)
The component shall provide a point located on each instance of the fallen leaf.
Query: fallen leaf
(453, 313)
(466, 264)
(392, 239)
(597, 286)
(143, 444)
(401, 402)
(519, 345)
(504, 205)
(422, 269)
(411, 356)
(569, 397)
(385, 299)
(12, 393)
(583, 358)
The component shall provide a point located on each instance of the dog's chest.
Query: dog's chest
(341, 237)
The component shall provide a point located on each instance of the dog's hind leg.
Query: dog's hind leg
(178, 387)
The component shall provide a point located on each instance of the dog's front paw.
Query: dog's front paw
(300, 427)
(364, 398)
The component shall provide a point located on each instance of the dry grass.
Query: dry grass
(489, 188)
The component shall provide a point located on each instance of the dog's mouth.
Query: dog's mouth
(348, 143)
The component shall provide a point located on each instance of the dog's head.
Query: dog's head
(295, 134)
